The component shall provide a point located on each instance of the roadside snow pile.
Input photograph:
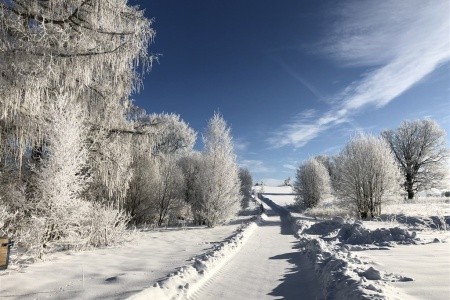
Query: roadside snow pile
(323, 228)
(344, 276)
(356, 234)
(187, 279)
(338, 271)
(432, 222)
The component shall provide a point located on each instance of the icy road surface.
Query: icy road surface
(268, 266)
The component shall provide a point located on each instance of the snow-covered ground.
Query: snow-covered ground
(113, 273)
(273, 189)
(427, 265)
(286, 254)
(414, 262)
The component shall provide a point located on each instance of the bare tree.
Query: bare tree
(139, 201)
(168, 192)
(366, 173)
(312, 183)
(191, 167)
(420, 150)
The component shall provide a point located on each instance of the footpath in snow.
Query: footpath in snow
(269, 265)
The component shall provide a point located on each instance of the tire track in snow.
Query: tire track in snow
(267, 266)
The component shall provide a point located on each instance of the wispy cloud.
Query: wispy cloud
(240, 144)
(402, 41)
(255, 166)
(311, 88)
(290, 167)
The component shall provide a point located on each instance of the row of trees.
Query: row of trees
(78, 160)
(370, 169)
(204, 186)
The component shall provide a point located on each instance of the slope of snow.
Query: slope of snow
(113, 272)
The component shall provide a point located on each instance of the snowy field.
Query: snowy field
(113, 273)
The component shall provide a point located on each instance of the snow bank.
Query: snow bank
(431, 222)
(338, 271)
(357, 234)
(189, 278)
(344, 276)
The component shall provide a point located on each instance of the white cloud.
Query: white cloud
(240, 144)
(255, 166)
(404, 40)
(290, 167)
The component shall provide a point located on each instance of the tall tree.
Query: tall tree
(61, 176)
(90, 52)
(366, 173)
(220, 187)
(420, 150)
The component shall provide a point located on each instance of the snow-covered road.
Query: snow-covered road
(268, 266)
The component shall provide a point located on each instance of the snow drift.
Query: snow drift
(187, 279)
(345, 276)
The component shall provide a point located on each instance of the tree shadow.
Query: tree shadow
(299, 281)
(286, 221)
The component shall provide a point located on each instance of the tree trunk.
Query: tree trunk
(409, 186)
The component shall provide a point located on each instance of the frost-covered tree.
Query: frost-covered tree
(312, 183)
(139, 202)
(62, 173)
(90, 52)
(366, 174)
(287, 182)
(61, 59)
(220, 186)
(246, 186)
(168, 194)
(157, 183)
(87, 50)
(420, 149)
(191, 168)
(330, 164)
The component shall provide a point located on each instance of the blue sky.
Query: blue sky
(295, 79)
